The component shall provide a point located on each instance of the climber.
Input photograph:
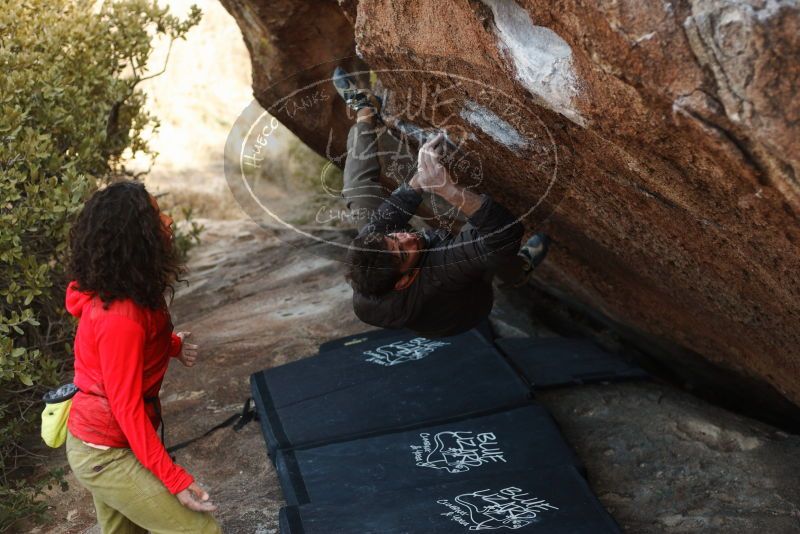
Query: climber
(431, 282)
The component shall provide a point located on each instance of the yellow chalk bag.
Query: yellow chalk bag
(55, 414)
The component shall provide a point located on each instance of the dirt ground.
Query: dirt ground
(659, 459)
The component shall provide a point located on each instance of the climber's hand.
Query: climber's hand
(431, 175)
(196, 498)
(188, 355)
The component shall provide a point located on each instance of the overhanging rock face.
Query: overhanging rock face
(657, 142)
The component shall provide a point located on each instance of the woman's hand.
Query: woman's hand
(196, 498)
(188, 355)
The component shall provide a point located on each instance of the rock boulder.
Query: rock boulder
(657, 142)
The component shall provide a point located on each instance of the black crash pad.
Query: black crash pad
(553, 362)
(552, 501)
(514, 440)
(484, 329)
(344, 394)
(374, 359)
(358, 339)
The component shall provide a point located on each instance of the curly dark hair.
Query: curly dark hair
(119, 249)
(372, 271)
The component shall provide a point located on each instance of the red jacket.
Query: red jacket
(121, 356)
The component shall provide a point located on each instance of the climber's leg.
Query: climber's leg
(362, 191)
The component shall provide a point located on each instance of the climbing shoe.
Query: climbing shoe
(535, 250)
(354, 96)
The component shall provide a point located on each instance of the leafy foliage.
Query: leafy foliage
(70, 111)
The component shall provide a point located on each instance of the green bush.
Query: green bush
(70, 110)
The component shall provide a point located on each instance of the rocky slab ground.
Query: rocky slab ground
(659, 459)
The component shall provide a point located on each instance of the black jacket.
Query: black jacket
(453, 291)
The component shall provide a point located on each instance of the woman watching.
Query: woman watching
(122, 263)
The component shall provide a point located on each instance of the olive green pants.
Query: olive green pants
(128, 497)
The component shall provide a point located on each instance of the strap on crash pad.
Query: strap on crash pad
(238, 421)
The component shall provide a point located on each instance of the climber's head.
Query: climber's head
(379, 263)
(121, 246)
